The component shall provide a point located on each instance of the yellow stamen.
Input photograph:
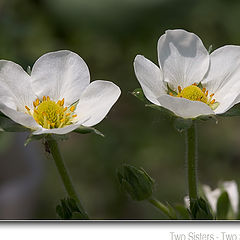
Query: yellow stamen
(62, 102)
(204, 89)
(48, 98)
(67, 114)
(65, 109)
(171, 94)
(74, 115)
(179, 89)
(44, 98)
(27, 108)
(213, 101)
(211, 95)
(206, 93)
(72, 108)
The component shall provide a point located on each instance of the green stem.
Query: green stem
(160, 206)
(54, 150)
(191, 159)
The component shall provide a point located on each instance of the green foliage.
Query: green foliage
(84, 130)
(223, 206)
(136, 182)
(68, 209)
(200, 209)
(138, 93)
(182, 212)
(232, 112)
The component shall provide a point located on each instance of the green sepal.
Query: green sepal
(182, 124)
(210, 48)
(223, 206)
(232, 112)
(171, 91)
(161, 109)
(68, 209)
(32, 137)
(85, 130)
(199, 209)
(136, 182)
(138, 93)
(8, 125)
(29, 70)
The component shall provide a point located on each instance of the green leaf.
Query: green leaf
(29, 70)
(85, 130)
(138, 93)
(223, 205)
(210, 48)
(68, 209)
(136, 182)
(8, 125)
(32, 137)
(182, 124)
(232, 112)
(200, 209)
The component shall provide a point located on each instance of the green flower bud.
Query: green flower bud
(136, 182)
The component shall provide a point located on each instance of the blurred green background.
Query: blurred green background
(108, 34)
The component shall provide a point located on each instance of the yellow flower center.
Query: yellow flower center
(50, 114)
(195, 93)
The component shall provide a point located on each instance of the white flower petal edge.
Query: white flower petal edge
(19, 117)
(61, 74)
(182, 57)
(232, 190)
(150, 78)
(15, 86)
(223, 77)
(212, 196)
(185, 108)
(96, 101)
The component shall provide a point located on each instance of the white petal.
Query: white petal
(19, 117)
(150, 78)
(187, 202)
(15, 90)
(223, 77)
(182, 57)
(212, 196)
(96, 101)
(232, 190)
(61, 74)
(185, 108)
(63, 130)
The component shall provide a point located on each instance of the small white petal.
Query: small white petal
(187, 202)
(19, 117)
(96, 101)
(15, 90)
(232, 190)
(223, 77)
(150, 78)
(182, 57)
(61, 74)
(185, 108)
(212, 196)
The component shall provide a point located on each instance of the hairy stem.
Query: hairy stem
(191, 160)
(66, 179)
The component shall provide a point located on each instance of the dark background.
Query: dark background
(108, 34)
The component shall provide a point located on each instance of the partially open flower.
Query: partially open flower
(189, 81)
(58, 96)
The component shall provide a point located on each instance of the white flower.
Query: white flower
(189, 81)
(232, 190)
(212, 195)
(58, 96)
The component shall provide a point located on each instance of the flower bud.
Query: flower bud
(136, 182)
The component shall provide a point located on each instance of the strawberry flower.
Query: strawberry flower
(57, 97)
